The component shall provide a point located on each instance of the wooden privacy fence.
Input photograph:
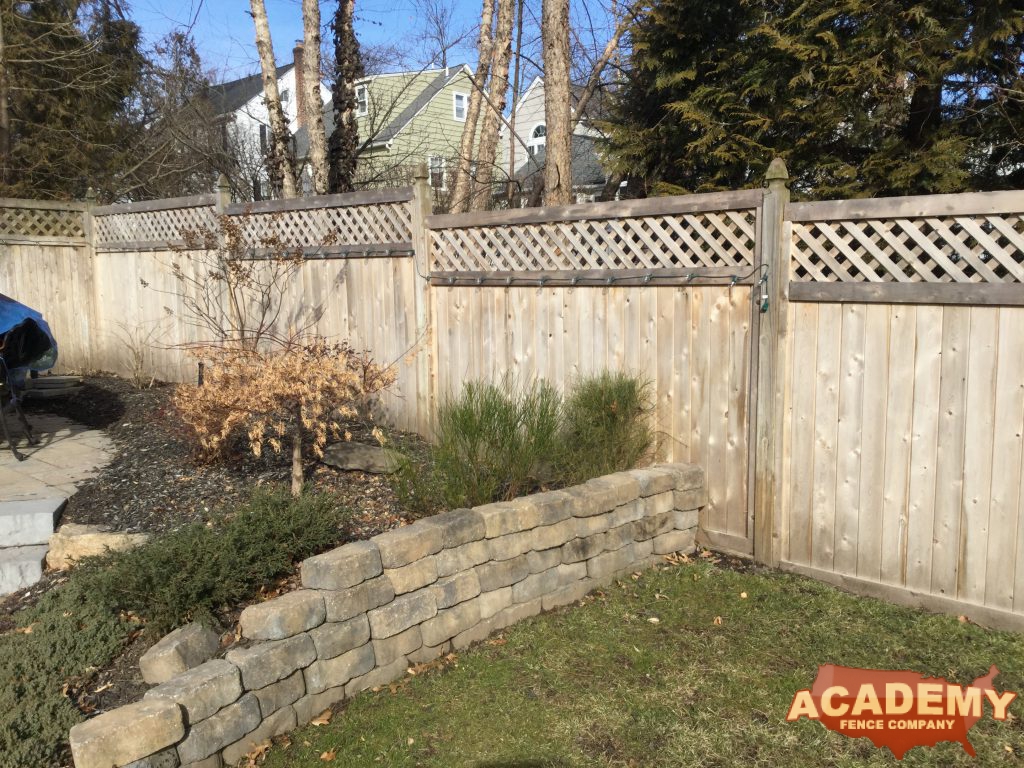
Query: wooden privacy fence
(849, 373)
(902, 468)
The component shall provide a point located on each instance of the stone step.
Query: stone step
(20, 567)
(29, 521)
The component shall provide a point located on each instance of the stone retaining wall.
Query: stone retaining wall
(370, 609)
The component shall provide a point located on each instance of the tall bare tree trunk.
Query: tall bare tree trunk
(314, 108)
(462, 186)
(5, 108)
(557, 102)
(282, 161)
(501, 52)
(512, 192)
(343, 145)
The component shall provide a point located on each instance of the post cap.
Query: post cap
(777, 171)
(420, 171)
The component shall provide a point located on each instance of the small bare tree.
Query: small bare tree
(137, 343)
(267, 376)
(304, 393)
(232, 286)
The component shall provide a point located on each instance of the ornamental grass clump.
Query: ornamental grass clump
(494, 442)
(301, 394)
(606, 426)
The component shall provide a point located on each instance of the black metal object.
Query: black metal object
(18, 347)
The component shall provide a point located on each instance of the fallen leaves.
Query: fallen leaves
(323, 718)
(675, 558)
(743, 595)
(441, 663)
(654, 620)
(718, 621)
(329, 755)
(257, 754)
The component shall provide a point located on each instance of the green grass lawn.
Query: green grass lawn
(604, 685)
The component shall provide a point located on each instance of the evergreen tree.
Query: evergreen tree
(860, 98)
(68, 77)
(343, 143)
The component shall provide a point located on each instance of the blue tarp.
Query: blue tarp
(28, 343)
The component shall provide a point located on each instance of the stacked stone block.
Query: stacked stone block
(369, 610)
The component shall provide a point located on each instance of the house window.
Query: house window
(538, 138)
(362, 101)
(459, 103)
(263, 139)
(437, 167)
(285, 95)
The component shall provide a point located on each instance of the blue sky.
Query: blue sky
(224, 34)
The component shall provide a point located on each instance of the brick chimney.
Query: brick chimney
(300, 85)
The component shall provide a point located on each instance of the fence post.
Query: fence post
(223, 194)
(92, 314)
(422, 206)
(769, 406)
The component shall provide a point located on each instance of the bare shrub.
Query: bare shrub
(303, 393)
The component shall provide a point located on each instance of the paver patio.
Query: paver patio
(33, 491)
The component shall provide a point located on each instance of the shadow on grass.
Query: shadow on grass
(522, 764)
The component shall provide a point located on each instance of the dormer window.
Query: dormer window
(285, 95)
(460, 102)
(362, 101)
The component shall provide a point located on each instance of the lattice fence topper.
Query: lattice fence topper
(948, 249)
(350, 225)
(697, 240)
(166, 226)
(41, 222)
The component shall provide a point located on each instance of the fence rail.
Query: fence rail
(848, 372)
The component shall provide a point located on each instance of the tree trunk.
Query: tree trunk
(314, 108)
(501, 52)
(463, 181)
(557, 103)
(513, 192)
(297, 474)
(5, 108)
(282, 161)
(343, 146)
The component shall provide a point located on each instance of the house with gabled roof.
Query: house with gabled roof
(406, 118)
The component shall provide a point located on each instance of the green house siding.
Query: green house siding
(432, 131)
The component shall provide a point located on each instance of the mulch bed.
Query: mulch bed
(155, 483)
